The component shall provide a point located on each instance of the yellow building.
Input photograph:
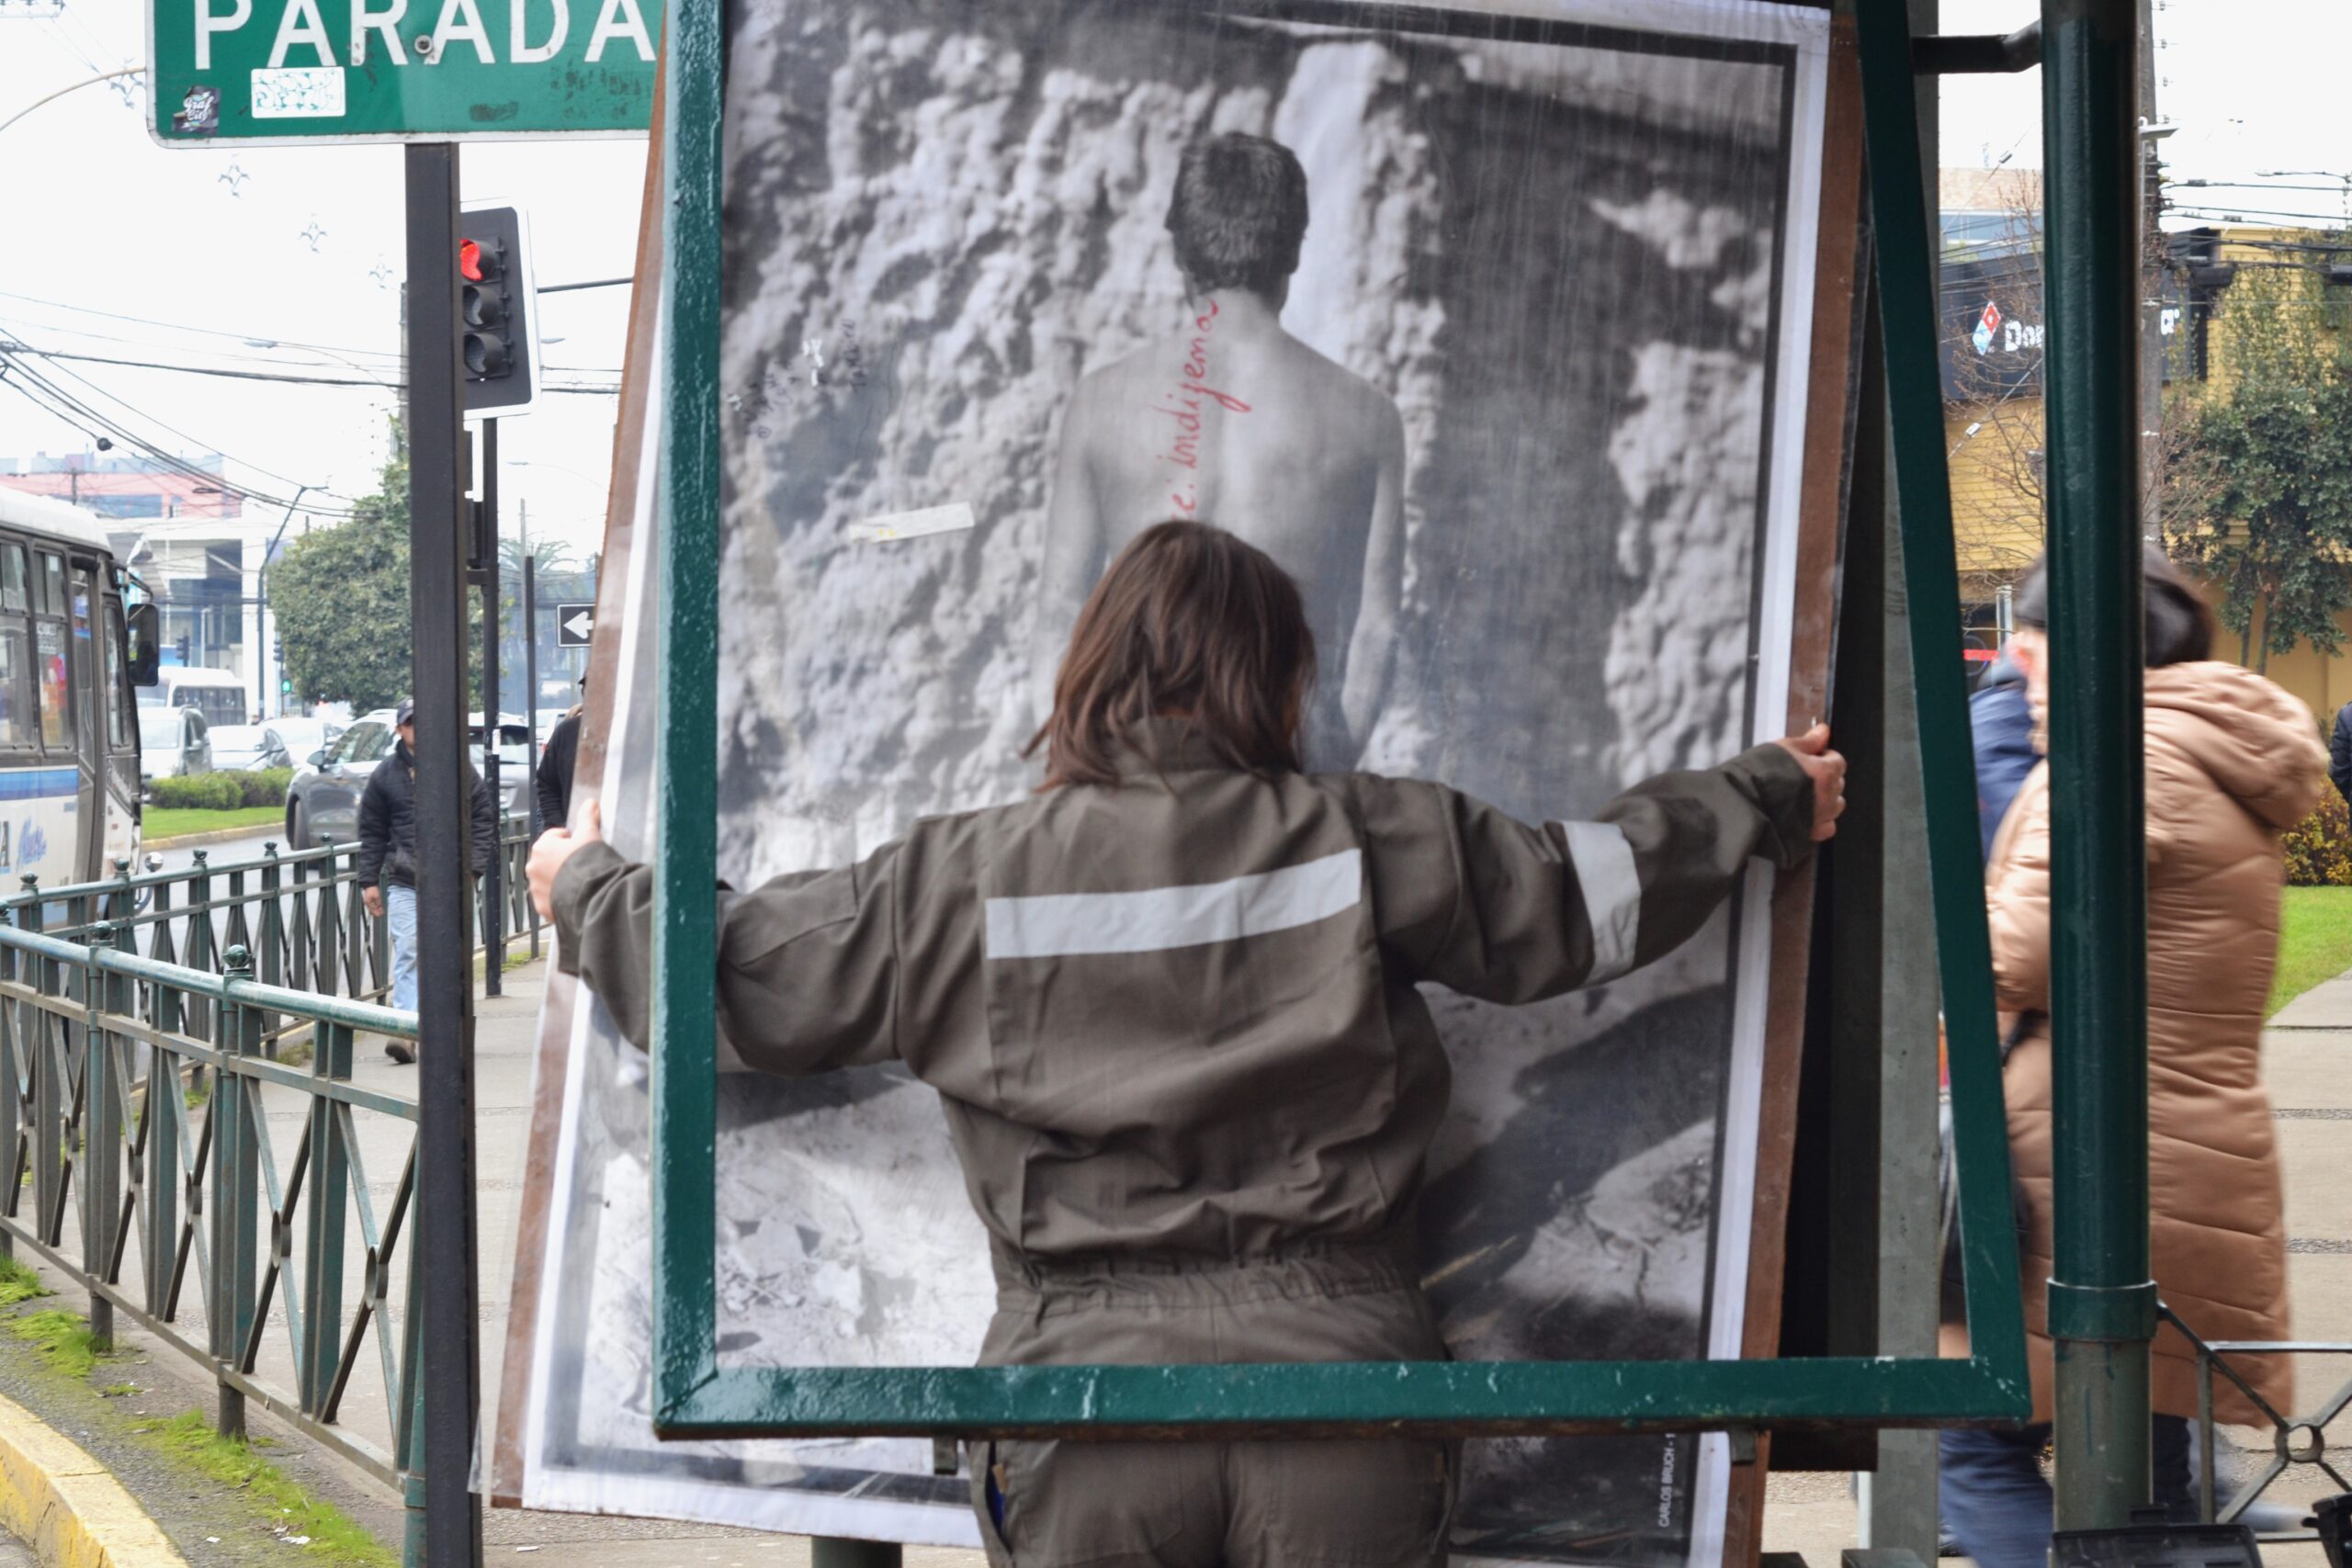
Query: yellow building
(1994, 417)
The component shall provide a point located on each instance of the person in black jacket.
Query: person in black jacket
(386, 864)
(552, 782)
(2339, 753)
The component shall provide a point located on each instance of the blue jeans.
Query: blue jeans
(399, 913)
(1995, 1501)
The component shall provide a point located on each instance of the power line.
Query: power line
(245, 338)
(22, 348)
(64, 405)
(183, 435)
(251, 339)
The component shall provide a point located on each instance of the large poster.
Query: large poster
(1491, 323)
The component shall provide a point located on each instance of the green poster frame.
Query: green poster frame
(697, 1397)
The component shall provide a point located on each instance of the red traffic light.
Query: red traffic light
(478, 261)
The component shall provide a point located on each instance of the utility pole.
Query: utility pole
(2156, 264)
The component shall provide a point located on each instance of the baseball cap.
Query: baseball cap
(406, 712)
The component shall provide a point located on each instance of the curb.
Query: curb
(214, 836)
(67, 1506)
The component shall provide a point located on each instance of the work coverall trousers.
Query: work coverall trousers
(1364, 1503)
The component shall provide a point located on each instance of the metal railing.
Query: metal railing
(134, 1099)
(2295, 1440)
(170, 1144)
(301, 914)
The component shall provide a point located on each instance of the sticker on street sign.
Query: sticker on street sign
(309, 71)
(573, 625)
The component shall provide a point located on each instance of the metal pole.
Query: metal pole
(444, 1439)
(1899, 1498)
(493, 905)
(2102, 1303)
(272, 698)
(531, 669)
(2153, 264)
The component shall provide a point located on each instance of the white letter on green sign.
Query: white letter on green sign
(523, 53)
(619, 18)
(207, 24)
(364, 21)
(301, 24)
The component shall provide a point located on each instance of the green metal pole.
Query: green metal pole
(2102, 1302)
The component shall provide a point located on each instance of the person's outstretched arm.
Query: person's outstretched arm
(807, 963)
(1477, 901)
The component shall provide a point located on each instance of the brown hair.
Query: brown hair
(1192, 622)
(2179, 627)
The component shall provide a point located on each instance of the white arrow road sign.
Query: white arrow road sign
(574, 622)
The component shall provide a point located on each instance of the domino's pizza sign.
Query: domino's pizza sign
(307, 71)
(1988, 325)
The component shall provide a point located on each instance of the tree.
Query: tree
(340, 595)
(2262, 508)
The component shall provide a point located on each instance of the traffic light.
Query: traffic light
(497, 313)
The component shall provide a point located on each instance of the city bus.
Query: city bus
(78, 639)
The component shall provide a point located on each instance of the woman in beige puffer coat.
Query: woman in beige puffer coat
(2231, 762)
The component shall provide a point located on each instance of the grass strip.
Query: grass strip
(18, 1282)
(2314, 941)
(333, 1536)
(173, 821)
(63, 1339)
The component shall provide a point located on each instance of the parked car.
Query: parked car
(298, 736)
(515, 760)
(323, 803)
(246, 746)
(174, 743)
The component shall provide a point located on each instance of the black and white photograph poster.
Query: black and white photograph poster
(1491, 323)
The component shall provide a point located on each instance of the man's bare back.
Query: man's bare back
(1234, 421)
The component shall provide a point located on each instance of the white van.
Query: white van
(218, 694)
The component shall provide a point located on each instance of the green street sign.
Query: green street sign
(263, 71)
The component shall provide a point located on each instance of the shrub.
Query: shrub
(206, 792)
(265, 786)
(224, 790)
(2319, 848)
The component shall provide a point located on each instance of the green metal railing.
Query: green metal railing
(134, 1100)
(299, 914)
(153, 1027)
(2295, 1440)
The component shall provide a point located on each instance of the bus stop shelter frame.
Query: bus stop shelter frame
(2104, 1310)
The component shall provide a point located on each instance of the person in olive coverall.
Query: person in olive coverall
(1169, 1004)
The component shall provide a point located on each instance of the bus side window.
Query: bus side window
(56, 695)
(52, 583)
(121, 704)
(13, 595)
(15, 687)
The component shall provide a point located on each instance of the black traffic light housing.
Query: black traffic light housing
(497, 313)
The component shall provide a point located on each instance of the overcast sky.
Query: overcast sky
(210, 242)
(210, 239)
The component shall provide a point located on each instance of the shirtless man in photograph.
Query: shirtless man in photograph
(1232, 421)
